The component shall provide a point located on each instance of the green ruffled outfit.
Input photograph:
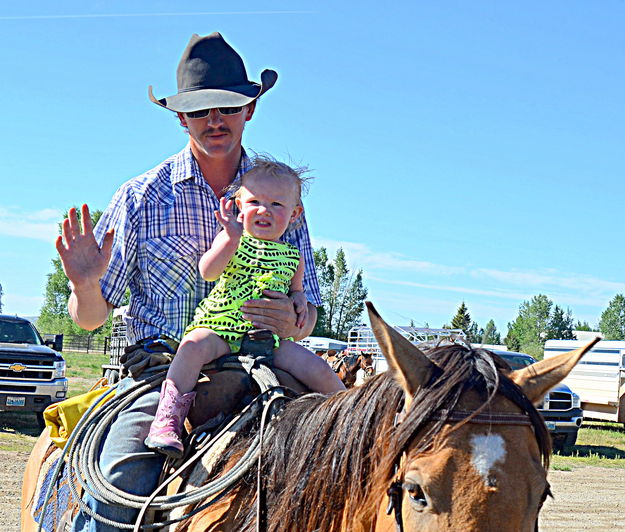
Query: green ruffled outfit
(256, 265)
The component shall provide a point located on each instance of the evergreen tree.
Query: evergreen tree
(491, 335)
(343, 295)
(584, 326)
(612, 323)
(538, 320)
(462, 319)
(561, 326)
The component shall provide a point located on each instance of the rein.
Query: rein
(395, 491)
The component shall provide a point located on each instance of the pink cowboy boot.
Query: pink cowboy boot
(165, 430)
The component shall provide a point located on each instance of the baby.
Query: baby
(247, 257)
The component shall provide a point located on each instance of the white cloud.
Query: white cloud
(564, 288)
(506, 294)
(361, 256)
(575, 281)
(37, 225)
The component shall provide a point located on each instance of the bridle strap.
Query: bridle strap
(395, 492)
(484, 418)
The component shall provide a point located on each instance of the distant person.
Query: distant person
(247, 257)
(149, 240)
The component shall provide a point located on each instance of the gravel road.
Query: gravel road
(586, 499)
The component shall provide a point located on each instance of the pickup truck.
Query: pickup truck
(32, 371)
(560, 408)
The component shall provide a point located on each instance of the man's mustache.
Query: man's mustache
(213, 130)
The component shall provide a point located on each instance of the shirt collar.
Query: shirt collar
(185, 167)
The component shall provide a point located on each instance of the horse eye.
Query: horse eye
(416, 494)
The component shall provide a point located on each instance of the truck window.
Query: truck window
(18, 332)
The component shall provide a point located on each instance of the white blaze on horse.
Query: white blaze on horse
(447, 440)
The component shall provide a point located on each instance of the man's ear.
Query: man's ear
(297, 212)
(183, 120)
(249, 110)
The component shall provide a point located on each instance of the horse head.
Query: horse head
(365, 363)
(479, 463)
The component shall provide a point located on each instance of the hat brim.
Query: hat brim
(186, 102)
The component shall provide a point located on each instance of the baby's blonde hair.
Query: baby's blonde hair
(268, 165)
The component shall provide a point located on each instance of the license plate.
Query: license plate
(551, 425)
(16, 401)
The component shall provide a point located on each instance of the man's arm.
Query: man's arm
(84, 262)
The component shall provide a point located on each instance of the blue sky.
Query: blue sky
(463, 150)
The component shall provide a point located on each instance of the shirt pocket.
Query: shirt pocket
(172, 265)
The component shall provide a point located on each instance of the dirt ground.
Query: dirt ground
(586, 499)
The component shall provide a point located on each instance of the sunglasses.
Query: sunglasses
(203, 113)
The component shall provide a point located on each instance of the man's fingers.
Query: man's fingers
(66, 231)
(87, 225)
(107, 243)
(60, 247)
(73, 225)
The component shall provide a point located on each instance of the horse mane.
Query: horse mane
(348, 443)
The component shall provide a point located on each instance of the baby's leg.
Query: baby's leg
(198, 347)
(307, 367)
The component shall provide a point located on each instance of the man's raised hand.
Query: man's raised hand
(84, 261)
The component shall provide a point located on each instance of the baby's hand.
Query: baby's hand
(232, 224)
(300, 303)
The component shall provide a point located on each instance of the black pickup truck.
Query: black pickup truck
(32, 371)
(561, 408)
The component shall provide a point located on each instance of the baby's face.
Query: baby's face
(268, 204)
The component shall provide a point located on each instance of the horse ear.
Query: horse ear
(536, 380)
(410, 366)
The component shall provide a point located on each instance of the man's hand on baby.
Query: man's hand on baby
(274, 311)
(300, 303)
(232, 223)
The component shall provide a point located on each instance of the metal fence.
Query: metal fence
(85, 344)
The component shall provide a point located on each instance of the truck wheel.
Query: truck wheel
(571, 438)
(40, 421)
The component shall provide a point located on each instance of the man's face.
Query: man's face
(217, 135)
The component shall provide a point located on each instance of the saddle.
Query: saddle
(221, 392)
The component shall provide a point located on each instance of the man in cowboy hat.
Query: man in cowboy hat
(149, 240)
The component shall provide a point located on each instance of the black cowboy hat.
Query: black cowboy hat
(212, 74)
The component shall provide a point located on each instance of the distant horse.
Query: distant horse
(346, 366)
(447, 440)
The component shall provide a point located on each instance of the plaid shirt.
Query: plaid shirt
(164, 221)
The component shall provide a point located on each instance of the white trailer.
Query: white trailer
(320, 343)
(599, 378)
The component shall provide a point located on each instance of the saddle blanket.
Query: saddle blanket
(61, 498)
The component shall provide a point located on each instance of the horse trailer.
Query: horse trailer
(599, 378)
(361, 339)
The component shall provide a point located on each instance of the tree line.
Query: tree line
(539, 320)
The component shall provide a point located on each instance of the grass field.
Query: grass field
(598, 444)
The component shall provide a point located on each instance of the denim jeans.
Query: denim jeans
(125, 461)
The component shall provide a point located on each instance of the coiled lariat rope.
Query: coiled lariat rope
(83, 446)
